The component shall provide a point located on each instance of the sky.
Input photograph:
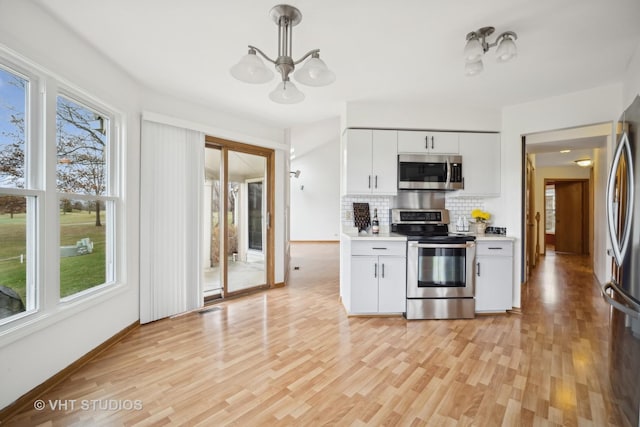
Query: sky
(12, 101)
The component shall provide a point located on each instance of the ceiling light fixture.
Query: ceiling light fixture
(314, 72)
(585, 163)
(477, 46)
(565, 151)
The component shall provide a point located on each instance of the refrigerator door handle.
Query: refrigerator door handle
(631, 309)
(620, 245)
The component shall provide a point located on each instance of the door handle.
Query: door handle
(383, 271)
(632, 311)
(432, 143)
(478, 269)
(620, 243)
(369, 182)
(375, 270)
(426, 142)
(376, 186)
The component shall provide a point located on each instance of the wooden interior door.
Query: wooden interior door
(569, 217)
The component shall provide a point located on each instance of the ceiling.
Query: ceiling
(380, 50)
(580, 141)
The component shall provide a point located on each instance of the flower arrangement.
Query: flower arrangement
(480, 215)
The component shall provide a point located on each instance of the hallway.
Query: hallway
(291, 356)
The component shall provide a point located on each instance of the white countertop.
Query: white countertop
(382, 236)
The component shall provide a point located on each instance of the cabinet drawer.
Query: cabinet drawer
(383, 247)
(498, 248)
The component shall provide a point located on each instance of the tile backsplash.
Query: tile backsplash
(457, 206)
(462, 206)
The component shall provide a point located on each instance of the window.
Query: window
(17, 203)
(85, 207)
(80, 195)
(550, 209)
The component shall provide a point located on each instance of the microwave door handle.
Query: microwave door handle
(631, 309)
(448, 181)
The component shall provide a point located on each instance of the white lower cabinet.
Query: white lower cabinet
(494, 276)
(377, 283)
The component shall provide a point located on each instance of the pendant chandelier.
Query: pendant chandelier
(477, 45)
(314, 71)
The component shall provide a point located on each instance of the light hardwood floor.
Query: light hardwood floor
(291, 356)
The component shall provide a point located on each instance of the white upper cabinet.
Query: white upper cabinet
(480, 164)
(371, 162)
(426, 142)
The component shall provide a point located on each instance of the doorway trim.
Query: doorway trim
(225, 146)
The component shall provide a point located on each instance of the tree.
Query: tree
(81, 139)
(12, 151)
(13, 205)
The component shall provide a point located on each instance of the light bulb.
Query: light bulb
(473, 50)
(286, 93)
(315, 72)
(506, 50)
(473, 68)
(251, 69)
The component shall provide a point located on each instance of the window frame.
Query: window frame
(110, 199)
(43, 228)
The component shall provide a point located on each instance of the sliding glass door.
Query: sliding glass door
(237, 231)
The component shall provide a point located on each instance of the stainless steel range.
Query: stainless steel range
(440, 265)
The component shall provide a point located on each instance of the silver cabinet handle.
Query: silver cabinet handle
(426, 142)
(432, 143)
(375, 270)
(383, 271)
(478, 268)
(379, 249)
(369, 182)
(376, 186)
(495, 248)
(620, 243)
(632, 311)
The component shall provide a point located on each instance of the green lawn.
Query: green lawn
(76, 273)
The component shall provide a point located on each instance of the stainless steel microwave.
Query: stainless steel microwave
(429, 172)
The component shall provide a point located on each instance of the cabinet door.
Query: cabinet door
(443, 143)
(385, 162)
(480, 164)
(358, 161)
(364, 284)
(493, 283)
(412, 142)
(392, 284)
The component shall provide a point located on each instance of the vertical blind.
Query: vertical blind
(172, 175)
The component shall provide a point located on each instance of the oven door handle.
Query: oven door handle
(442, 245)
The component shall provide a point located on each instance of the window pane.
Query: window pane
(81, 141)
(83, 244)
(13, 95)
(13, 255)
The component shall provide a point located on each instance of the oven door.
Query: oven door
(440, 270)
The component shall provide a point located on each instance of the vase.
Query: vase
(481, 227)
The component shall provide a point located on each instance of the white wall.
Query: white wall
(631, 84)
(586, 107)
(315, 195)
(563, 172)
(59, 334)
(601, 261)
(64, 333)
(420, 116)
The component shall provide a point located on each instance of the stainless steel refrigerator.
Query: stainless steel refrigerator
(623, 291)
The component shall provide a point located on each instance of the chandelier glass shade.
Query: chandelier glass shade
(314, 72)
(477, 45)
